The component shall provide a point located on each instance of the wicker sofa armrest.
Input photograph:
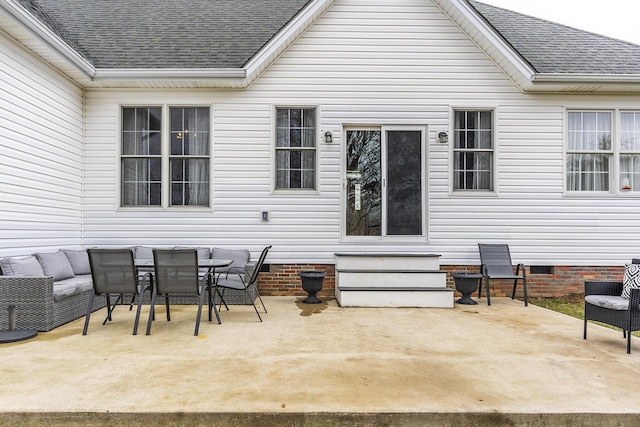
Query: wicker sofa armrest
(602, 288)
(32, 297)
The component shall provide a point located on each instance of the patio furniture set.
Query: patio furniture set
(54, 288)
(616, 303)
(50, 289)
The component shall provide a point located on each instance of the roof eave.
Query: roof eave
(45, 34)
(285, 37)
(599, 83)
(486, 38)
(168, 74)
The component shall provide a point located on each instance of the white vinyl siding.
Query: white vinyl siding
(40, 155)
(372, 64)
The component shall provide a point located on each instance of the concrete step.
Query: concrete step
(387, 261)
(394, 297)
(391, 278)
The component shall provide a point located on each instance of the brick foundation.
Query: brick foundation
(282, 279)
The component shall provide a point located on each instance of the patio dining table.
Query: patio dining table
(205, 263)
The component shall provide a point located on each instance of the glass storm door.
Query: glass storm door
(384, 182)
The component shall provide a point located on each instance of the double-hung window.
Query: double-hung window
(473, 150)
(141, 160)
(630, 151)
(165, 170)
(295, 149)
(600, 155)
(589, 150)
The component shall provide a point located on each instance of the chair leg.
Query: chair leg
(88, 316)
(254, 306)
(222, 299)
(151, 311)
(585, 328)
(199, 315)
(166, 303)
(260, 298)
(526, 297)
(629, 342)
(487, 284)
(135, 324)
(212, 305)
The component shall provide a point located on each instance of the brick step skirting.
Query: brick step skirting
(542, 281)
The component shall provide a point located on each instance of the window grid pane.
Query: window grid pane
(590, 151)
(295, 148)
(630, 151)
(141, 163)
(189, 156)
(473, 150)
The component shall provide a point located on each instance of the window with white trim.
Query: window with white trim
(295, 149)
(589, 150)
(600, 157)
(185, 152)
(473, 150)
(630, 151)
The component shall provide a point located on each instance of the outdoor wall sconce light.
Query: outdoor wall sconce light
(443, 137)
(328, 138)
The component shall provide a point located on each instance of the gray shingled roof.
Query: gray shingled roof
(556, 48)
(166, 33)
(227, 33)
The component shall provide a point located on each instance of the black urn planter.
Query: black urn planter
(312, 284)
(466, 284)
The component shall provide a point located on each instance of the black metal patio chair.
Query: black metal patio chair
(114, 275)
(176, 272)
(236, 278)
(497, 264)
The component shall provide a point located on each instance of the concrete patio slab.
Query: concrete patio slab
(503, 364)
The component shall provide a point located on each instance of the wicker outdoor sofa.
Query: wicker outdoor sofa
(44, 292)
(51, 289)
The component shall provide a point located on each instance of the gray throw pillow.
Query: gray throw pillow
(142, 252)
(240, 257)
(21, 266)
(79, 261)
(56, 265)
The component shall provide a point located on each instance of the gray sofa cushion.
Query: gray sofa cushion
(79, 261)
(203, 253)
(65, 288)
(612, 302)
(240, 257)
(56, 265)
(21, 266)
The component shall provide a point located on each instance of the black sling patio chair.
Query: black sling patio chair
(496, 264)
(236, 278)
(176, 272)
(114, 276)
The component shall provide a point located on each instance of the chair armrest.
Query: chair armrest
(634, 304)
(602, 288)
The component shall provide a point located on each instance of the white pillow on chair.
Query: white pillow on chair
(631, 279)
